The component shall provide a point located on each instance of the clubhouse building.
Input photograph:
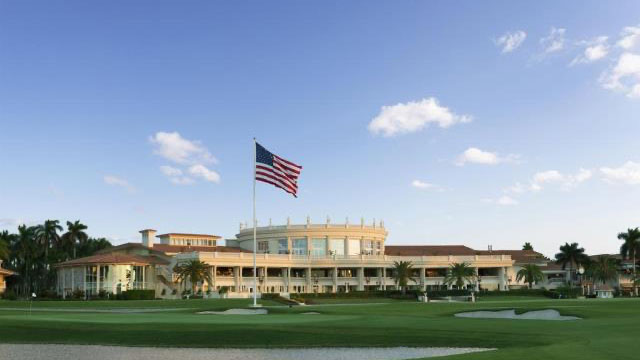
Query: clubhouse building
(300, 258)
(3, 274)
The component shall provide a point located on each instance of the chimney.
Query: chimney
(148, 237)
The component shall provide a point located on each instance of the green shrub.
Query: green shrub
(137, 295)
(446, 293)
(513, 292)
(10, 295)
(77, 294)
(564, 292)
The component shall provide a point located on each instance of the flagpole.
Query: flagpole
(255, 271)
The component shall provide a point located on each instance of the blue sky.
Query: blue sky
(475, 123)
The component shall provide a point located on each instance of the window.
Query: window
(91, 274)
(318, 247)
(283, 247)
(300, 246)
(263, 246)
(368, 247)
(336, 247)
(138, 273)
(354, 247)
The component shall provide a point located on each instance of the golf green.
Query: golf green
(607, 329)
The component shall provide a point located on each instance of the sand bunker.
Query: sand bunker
(93, 352)
(549, 314)
(236, 312)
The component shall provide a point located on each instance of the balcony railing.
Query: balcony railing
(358, 258)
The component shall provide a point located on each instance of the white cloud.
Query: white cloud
(477, 156)
(203, 172)
(175, 175)
(554, 41)
(172, 146)
(421, 184)
(595, 50)
(116, 181)
(624, 76)
(517, 188)
(181, 180)
(629, 38)
(170, 170)
(628, 173)
(511, 41)
(503, 200)
(566, 181)
(414, 116)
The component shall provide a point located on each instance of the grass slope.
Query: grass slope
(609, 329)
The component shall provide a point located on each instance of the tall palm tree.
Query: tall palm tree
(194, 271)
(630, 247)
(25, 257)
(603, 269)
(47, 235)
(402, 274)
(459, 274)
(75, 236)
(530, 273)
(5, 238)
(527, 246)
(572, 255)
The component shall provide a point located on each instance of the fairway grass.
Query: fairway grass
(608, 329)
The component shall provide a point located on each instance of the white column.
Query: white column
(265, 287)
(423, 278)
(477, 278)
(289, 286)
(335, 279)
(384, 278)
(97, 279)
(360, 279)
(64, 282)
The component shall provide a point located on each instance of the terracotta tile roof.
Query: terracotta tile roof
(114, 259)
(183, 234)
(427, 250)
(6, 272)
(126, 246)
(520, 256)
(167, 248)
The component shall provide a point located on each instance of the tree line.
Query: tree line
(33, 250)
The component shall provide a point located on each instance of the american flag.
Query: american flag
(274, 170)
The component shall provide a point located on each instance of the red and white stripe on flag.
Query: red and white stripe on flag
(274, 170)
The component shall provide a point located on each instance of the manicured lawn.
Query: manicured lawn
(610, 329)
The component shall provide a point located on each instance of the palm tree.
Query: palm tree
(194, 271)
(459, 274)
(402, 274)
(25, 256)
(571, 254)
(75, 236)
(603, 269)
(527, 246)
(630, 248)
(47, 235)
(530, 273)
(4, 245)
